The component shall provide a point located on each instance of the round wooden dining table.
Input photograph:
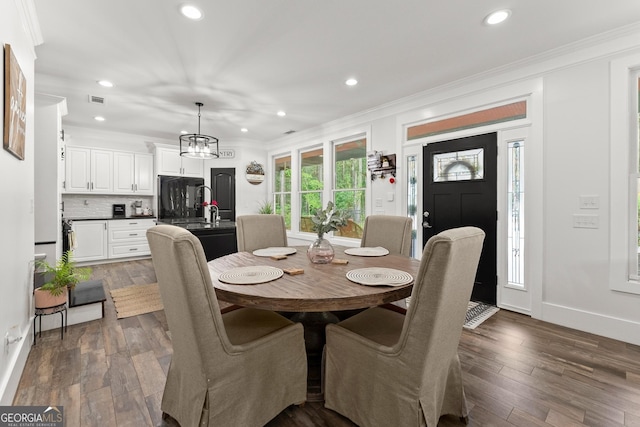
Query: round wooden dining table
(317, 295)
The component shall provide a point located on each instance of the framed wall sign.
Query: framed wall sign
(15, 105)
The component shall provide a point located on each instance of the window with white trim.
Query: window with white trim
(350, 183)
(624, 274)
(282, 188)
(634, 181)
(311, 186)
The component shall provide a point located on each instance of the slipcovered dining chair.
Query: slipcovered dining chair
(260, 231)
(385, 368)
(389, 231)
(239, 368)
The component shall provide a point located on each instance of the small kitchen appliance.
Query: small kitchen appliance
(119, 211)
(137, 205)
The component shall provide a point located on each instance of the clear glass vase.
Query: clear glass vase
(320, 251)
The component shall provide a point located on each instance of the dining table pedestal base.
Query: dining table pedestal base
(314, 324)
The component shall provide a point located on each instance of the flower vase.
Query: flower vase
(320, 251)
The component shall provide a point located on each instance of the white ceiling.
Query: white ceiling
(247, 59)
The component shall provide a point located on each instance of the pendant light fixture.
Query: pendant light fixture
(198, 146)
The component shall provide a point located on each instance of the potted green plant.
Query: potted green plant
(59, 278)
(330, 219)
(265, 208)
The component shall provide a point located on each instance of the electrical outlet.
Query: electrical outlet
(586, 221)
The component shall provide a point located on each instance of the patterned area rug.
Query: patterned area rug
(141, 299)
(136, 299)
(478, 312)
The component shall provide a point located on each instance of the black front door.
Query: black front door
(223, 188)
(460, 189)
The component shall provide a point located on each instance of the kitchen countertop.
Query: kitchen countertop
(196, 224)
(108, 218)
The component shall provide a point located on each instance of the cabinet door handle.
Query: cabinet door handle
(133, 234)
(92, 185)
(88, 186)
(133, 249)
(136, 187)
(133, 223)
(131, 187)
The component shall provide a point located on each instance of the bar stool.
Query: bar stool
(62, 309)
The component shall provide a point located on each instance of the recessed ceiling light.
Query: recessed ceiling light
(99, 118)
(184, 132)
(497, 17)
(281, 113)
(105, 83)
(191, 12)
(244, 130)
(351, 82)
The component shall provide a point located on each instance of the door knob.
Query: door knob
(425, 223)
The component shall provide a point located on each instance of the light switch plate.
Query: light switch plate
(589, 202)
(586, 221)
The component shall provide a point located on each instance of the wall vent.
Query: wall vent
(289, 132)
(97, 100)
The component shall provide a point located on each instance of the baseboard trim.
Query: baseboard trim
(16, 366)
(594, 323)
(515, 309)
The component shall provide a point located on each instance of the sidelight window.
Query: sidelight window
(515, 213)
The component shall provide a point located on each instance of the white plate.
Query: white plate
(375, 251)
(274, 251)
(379, 276)
(251, 275)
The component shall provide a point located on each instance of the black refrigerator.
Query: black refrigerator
(179, 197)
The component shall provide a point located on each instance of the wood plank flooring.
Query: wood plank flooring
(517, 371)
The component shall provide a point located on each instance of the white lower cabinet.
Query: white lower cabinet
(107, 239)
(91, 240)
(128, 238)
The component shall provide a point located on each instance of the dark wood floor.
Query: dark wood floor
(517, 371)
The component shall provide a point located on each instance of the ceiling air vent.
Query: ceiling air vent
(97, 100)
(289, 132)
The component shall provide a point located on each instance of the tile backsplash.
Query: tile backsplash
(95, 206)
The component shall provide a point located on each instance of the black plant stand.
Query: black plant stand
(62, 309)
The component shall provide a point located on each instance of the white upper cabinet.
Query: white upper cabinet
(169, 162)
(133, 173)
(143, 174)
(88, 170)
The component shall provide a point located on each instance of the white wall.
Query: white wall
(576, 287)
(16, 217)
(47, 168)
(570, 142)
(249, 196)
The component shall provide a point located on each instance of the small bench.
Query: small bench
(89, 292)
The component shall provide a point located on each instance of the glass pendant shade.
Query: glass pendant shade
(198, 146)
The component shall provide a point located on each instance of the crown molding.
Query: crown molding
(29, 19)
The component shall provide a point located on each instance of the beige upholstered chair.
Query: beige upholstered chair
(240, 368)
(388, 231)
(260, 231)
(384, 368)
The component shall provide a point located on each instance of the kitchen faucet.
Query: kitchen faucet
(217, 215)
